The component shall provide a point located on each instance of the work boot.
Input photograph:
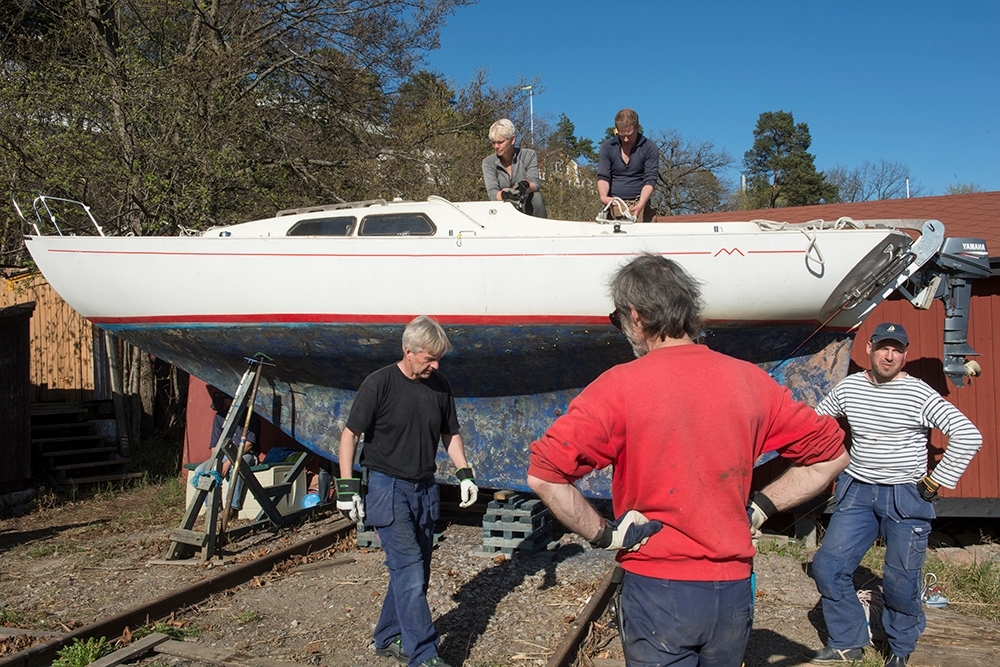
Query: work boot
(394, 649)
(834, 656)
(436, 661)
(895, 661)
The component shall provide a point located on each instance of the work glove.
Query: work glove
(928, 488)
(510, 194)
(522, 188)
(629, 531)
(758, 509)
(470, 492)
(349, 499)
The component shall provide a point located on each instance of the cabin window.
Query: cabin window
(397, 224)
(339, 226)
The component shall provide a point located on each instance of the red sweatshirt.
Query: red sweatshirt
(683, 426)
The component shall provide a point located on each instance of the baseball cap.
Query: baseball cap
(890, 331)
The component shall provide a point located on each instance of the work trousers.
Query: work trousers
(684, 623)
(534, 205)
(404, 514)
(865, 511)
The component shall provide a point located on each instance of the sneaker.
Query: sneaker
(895, 661)
(393, 649)
(834, 656)
(436, 661)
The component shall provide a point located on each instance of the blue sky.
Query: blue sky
(912, 82)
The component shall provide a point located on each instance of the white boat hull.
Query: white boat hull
(525, 304)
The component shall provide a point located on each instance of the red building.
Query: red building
(972, 215)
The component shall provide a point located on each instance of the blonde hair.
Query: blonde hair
(423, 333)
(502, 129)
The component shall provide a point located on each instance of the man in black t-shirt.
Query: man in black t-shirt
(404, 410)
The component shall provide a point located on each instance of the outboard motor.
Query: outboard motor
(948, 276)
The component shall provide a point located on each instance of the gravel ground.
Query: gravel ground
(65, 567)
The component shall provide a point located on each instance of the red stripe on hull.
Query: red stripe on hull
(458, 320)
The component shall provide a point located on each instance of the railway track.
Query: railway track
(233, 577)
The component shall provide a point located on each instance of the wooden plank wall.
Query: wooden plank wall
(61, 342)
(978, 400)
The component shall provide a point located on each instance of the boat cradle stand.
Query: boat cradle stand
(185, 540)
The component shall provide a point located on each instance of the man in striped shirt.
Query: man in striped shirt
(885, 490)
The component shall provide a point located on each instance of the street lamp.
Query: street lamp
(531, 110)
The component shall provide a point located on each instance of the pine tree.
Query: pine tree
(781, 170)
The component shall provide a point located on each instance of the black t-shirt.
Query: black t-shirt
(402, 420)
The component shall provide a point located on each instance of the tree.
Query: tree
(963, 188)
(564, 141)
(781, 170)
(568, 175)
(163, 116)
(169, 116)
(870, 181)
(688, 180)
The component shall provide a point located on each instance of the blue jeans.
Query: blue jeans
(687, 623)
(404, 514)
(865, 511)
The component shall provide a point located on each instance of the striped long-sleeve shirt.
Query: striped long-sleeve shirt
(889, 426)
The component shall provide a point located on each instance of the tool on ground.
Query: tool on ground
(931, 594)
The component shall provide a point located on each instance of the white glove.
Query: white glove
(629, 531)
(470, 492)
(349, 499)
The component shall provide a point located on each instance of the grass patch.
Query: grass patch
(57, 549)
(159, 456)
(874, 558)
(172, 630)
(783, 547)
(40, 552)
(972, 589)
(81, 654)
(249, 616)
(11, 618)
(872, 658)
(164, 507)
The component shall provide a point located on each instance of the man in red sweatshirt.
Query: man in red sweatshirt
(682, 426)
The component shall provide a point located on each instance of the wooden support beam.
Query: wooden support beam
(134, 650)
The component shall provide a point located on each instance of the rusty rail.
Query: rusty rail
(567, 650)
(41, 655)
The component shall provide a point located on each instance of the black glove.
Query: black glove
(928, 488)
(522, 188)
(629, 531)
(509, 194)
(349, 499)
(758, 509)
